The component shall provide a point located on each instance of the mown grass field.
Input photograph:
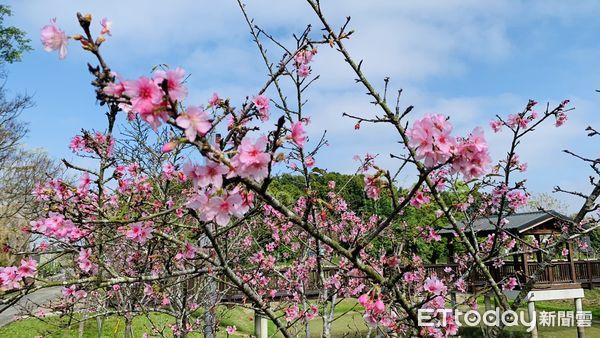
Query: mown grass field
(348, 324)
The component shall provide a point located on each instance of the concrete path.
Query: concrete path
(39, 297)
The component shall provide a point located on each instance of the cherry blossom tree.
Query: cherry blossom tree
(142, 240)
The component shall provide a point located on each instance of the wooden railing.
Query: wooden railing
(586, 273)
(558, 274)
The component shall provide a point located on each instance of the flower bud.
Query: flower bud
(169, 146)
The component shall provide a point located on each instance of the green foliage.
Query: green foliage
(13, 41)
(288, 188)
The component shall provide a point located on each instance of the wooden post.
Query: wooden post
(525, 267)
(487, 301)
(450, 250)
(579, 309)
(517, 266)
(538, 254)
(588, 265)
(531, 311)
(261, 329)
(571, 261)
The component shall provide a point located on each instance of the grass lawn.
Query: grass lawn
(348, 324)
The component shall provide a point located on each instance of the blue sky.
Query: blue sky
(467, 59)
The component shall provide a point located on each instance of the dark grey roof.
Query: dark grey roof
(518, 222)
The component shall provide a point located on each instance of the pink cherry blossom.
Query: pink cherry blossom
(496, 125)
(291, 313)
(195, 121)
(309, 161)
(53, 38)
(168, 171)
(252, 161)
(84, 262)
(106, 26)
(211, 173)
(516, 199)
(561, 118)
(419, 199)
(298, 136)
(472, 157)
(203, 176)
(143, 92)
(363, 300)
(517, 120)
(510, 283)
(231, 329)
(378, 306)
(72, 294)
(215, 100)
(372, 188)
(28, 267)
(146, 98)
(303, 71)
(301, 61)
(262, 104)
(139, 232)
(175, 77)
(223, 208)
(115, 89)
(434, 285)
(461, 285)
(431, 138)
(10, 278)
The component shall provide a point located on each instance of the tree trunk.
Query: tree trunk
(128, 327)
(99, 326)
(328, 317)
(209, 314)
(81, 328)
(182, 322)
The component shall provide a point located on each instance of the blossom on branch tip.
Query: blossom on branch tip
(215, 100)
(496, 125)
(53, 38)
(106, 26)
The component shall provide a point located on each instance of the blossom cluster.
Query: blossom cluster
(302, 60)
(12, 277)
(431, 138)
